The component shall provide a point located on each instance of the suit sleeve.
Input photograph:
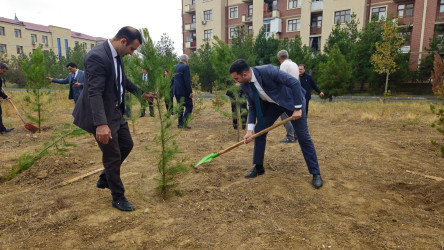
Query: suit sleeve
(2, 94)
(96, 73)
(251, 107)
(293, 84)
(187, 79)
(81, 77)
(131, 87)
(313, 85)
(62, 81)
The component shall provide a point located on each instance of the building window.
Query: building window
(378, 13)
(233, 32)
(267, 30)
(441, 6)
(208, 15)
(250, 10)
(250, 29)
(342, 16)
(18, 33)
(92, 45)
(3, 48)
(2, 31)
(405, 10)
(33, 38)
(19, 49)
(193, 19)
(316, 22)
(45, 40)
(233, 12)
(85, 46)
(294, 4)
(193, 2)
(208, 34)
(76, 43)
(293, 25)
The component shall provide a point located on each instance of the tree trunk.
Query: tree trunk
(386, 82)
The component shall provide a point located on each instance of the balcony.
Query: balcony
(190, 27)
(315, 31)
(276, 14)
(247, 19)
(190, 45)
(317, 6)
(189, 8)
(403, 1)
(440, 18)
(405, 21)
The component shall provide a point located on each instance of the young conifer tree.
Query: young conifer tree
(153, 62)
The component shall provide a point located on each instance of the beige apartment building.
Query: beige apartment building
(312, 20)
(18, 37)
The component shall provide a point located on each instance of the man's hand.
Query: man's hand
(321, 94)
(149, 96)
(49, 78)
(77, 84)
(297, 114)
(191, 95)
(103, 133)
(247, 137)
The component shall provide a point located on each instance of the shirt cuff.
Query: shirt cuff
(251, 126)
(297, 106)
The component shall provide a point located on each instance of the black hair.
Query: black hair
(129, 33)
(239, 66)
(71, 64)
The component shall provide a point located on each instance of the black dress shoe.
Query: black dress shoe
(123, 205)
(6, 130)
(102, 183)
(317, 181)
(184, 127)
(257, 170)
(288, 140)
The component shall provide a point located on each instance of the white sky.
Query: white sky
(102, 18)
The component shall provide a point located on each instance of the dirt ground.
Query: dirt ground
(383, 187)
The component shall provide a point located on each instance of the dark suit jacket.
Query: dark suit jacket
(100, 100)
(2, 94)
(308, 83)
(182, 81)
(283, 88)
(74, 92)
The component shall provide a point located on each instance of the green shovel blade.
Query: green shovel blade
(207, 158)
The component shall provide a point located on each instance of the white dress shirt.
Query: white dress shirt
(291, 68)
(114, 54)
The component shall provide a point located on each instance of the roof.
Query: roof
(43, 28)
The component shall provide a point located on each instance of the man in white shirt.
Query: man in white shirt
(291, 68)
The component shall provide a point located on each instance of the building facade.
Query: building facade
(312, 20)
(18, 37)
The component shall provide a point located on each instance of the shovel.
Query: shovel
(211, 156)
(28, 126)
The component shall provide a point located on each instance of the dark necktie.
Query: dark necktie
(119, 67)
(257, 104)
(73, 79)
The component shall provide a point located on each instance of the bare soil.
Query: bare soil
(383, 187)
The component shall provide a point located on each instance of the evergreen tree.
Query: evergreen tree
(200, 64)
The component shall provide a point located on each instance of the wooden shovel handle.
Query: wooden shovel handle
(16, 110)
(256, 135)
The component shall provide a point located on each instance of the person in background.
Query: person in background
(308, 84)
(75, 79)
(3, 68)
(182, 91)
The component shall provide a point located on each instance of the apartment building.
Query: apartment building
(18, 37)
(312, 20)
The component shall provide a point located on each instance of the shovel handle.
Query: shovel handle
(257, 135)
(16, 110)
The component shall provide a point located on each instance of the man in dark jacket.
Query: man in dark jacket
(3, 69)
(308, 83)
(75, 79)
(182, 91)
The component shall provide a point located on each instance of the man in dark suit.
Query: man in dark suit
(100, 108)
(308, 83)
(270, 92)
(182, 91)
(3, 68)
(75, 79)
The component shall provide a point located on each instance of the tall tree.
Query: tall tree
(165, 48)
(200, 64)
(387, 51)
(77, 55)
(335, 75)
(265, 49)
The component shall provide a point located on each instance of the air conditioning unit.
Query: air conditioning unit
(204, 22)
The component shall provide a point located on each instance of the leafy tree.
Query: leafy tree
(77, 56)
(15, 73)
(152, 61)
(426, 66)
(35, 72)
(242, 46)
(265, 49)
(386, 52)
(335, 74)
(344, 36)
(437, 77)
(199, 64)
(165, 48)
(299, 53)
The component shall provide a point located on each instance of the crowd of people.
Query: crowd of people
(99, 97)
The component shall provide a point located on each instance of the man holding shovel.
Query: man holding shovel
(271, 92)
(3, 69)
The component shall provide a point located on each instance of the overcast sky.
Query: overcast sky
(102, 18)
